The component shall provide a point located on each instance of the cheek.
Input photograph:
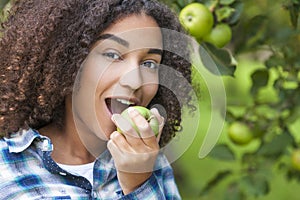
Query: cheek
(94, 71)
(150, 85)
(149, 91)
(107, 82)
(99, 74)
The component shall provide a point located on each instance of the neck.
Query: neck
(70, 147)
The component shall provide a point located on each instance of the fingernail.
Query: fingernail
(154, 109)
(114, 117)
(132, 110)
(113, 135)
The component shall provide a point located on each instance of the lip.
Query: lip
(112, 100)
(107, 108)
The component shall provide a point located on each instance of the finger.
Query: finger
(131, 162)
(120, 158)
(120, 141)
(114, 150)
(161, 126)
(161, 122)
(146, 133)
(124, 125)
(158, 116)
(129, 133)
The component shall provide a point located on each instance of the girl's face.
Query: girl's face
(120, 70)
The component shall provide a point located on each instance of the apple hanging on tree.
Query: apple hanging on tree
(239, 133)
(219, 36)
(197, 19)
(296, 159)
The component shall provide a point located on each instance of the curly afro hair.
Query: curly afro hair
(44, 42)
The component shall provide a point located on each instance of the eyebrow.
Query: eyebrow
(114, 38)
(155, 51)
(126, 43)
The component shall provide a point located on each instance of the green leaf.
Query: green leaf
(290, 85)
(233, 192)
(221, 58)
(260, 79)
(181, 3)
(276, 146)
(3, 3)
(256, 30)
(274, 61)
(211, 4)
(226, 2)
(294, 14)
(294, 115)
(250, 158)
(224, 13)
(293, 174)
(222, 152)
(215, 181)
(256, 185)
(296, 1)
(266, 112)
(238, 7)
(234, 113)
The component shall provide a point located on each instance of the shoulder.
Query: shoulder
(4, 151)
(3, 144)
(17, 147)
(18, 141)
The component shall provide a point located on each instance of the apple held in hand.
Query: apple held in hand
(197, 19)
(151, 119)
(219, 36)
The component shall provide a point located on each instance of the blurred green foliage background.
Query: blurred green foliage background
(262, 93)
(193, 173)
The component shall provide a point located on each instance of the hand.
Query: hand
(134, 154)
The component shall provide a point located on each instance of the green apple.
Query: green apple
(197, 19)
(296, 159)
(239, 133)
(151, 119)
(219, 36)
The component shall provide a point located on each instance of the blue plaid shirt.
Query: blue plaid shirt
(28, 172)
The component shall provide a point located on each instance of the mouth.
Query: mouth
(118, 105)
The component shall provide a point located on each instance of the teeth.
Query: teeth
(124, 101)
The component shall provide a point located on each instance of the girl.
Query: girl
(60, 143)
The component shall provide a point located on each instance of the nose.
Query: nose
(132, 79)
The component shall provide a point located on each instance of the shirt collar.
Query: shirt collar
(21, 140)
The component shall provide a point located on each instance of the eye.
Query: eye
(112, 55)
(150, 64)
